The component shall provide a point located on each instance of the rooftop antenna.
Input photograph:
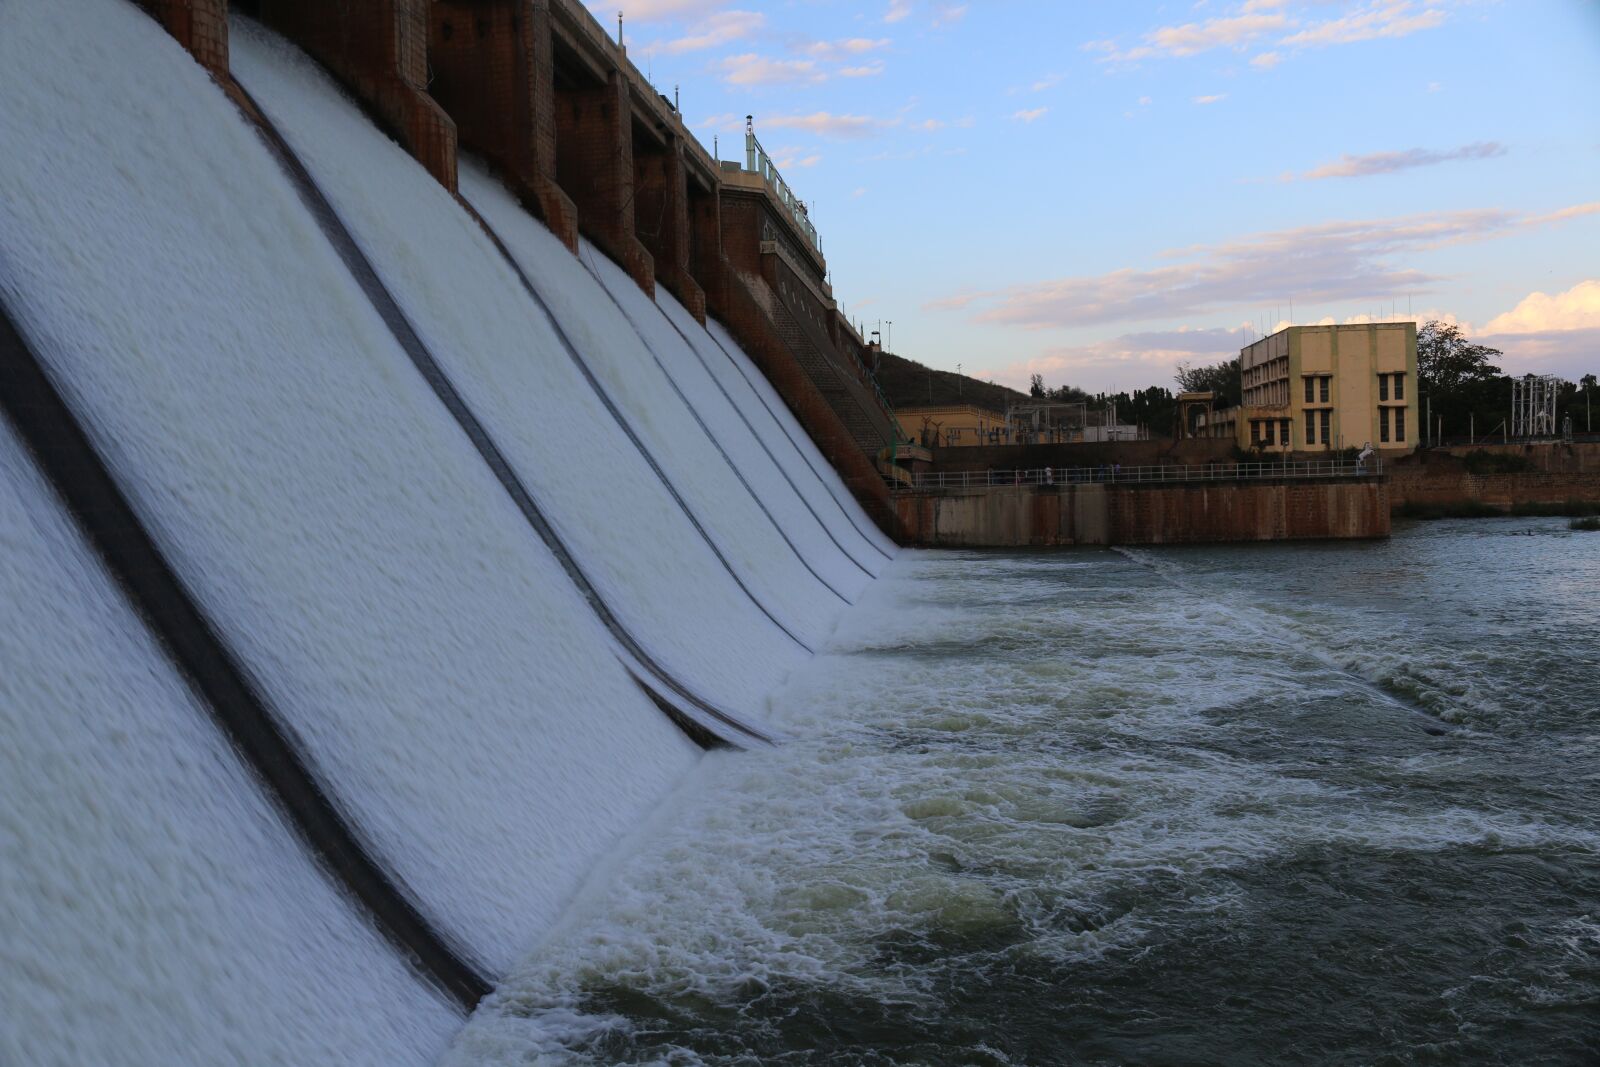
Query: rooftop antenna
(619, 29)
(675, 106)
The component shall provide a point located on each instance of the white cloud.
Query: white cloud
(1266, 60)
(898, 9)
(1212, 99)
(1365, 166)
(1320, 264)
(651, 10)
(722, 28)
(827, 124)
(1576, 309)
(752, 69)
(1030, 114)
(844, 48)
(1382, 18)
(869, 70)
(949, 14)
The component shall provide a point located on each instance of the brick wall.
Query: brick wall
(379, 50)
(493, 71)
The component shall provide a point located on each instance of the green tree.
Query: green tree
(1219, 378)
(1459, 381)
(1448, 364)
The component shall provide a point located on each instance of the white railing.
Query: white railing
(756, 161)
(1116, 473)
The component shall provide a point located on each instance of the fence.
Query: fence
(1170, 474)
(758, 162)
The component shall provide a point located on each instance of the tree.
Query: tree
(1448, 364)
(1459, 381)
(1219, 378)
(1036, 386)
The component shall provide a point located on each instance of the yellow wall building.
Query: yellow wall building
(951, 424)
(1323, 388)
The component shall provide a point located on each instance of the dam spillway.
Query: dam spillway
(430, 658)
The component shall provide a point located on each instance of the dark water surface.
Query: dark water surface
(1330, 803)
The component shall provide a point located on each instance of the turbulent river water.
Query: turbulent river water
(1331, 803)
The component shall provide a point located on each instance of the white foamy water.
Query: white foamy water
(452, 689)
(635, 543)
(156, 908)
(1015, 782)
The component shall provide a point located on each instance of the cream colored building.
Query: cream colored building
(1324, 388)
(952, 424)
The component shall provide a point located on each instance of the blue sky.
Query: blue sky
(1097, 191)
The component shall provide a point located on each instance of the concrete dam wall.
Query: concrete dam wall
(376, 556)
(1032, 516)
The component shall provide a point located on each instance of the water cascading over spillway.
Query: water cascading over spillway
(486, 722)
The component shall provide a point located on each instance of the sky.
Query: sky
(1099, 191)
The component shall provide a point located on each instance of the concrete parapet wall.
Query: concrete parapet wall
(1101, 514)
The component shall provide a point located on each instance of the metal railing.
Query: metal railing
(756, 161)
(1170, 474)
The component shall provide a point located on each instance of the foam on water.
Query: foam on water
(1007, 773)
(452, 689)
(716, 373)
(669, 332)
(156, 908)
(631, 538)
(806, 449)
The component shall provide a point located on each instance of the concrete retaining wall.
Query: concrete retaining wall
(1099, 514)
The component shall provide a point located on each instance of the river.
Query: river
(1314, 803)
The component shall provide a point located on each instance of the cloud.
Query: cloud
(1348, 166)
(1383, 18)
(950, 14)
(1192, 38)
(1260, 20)
(1030, 114)
(752, 69)
(868, 71)
(1148, 358)
(1576, 309)
(722, 28)
(651, 10)
(898, 9)
(844, 48)
(790, 157)
(1214, 98)
(1323, 263)
(827, 124)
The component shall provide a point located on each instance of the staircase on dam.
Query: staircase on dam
(370, 573)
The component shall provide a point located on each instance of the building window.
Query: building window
(1383, 387)
(1311, 427)
(1383, 424)
(1266, 433)
(1255, 432)
(1327, 420)
(1283, 433)
(1324, 381)
(1399, 420)
(1400, 387)
(1310, 385)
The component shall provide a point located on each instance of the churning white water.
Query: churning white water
(1264, 804)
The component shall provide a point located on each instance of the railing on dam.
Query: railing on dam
(1167, 474)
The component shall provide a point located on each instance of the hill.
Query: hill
(907, 383)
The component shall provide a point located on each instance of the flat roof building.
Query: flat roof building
(1325, 388)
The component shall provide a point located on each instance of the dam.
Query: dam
(452, 617)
